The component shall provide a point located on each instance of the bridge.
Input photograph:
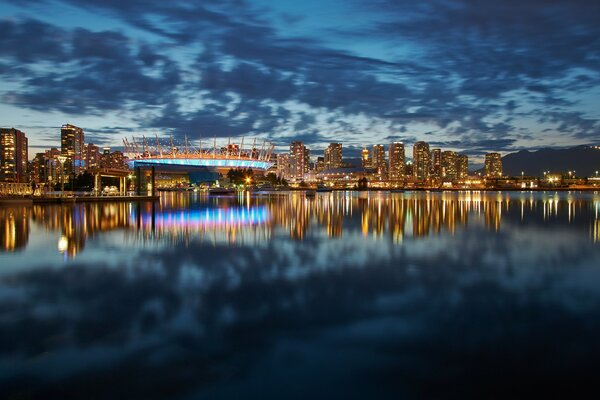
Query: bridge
(145, 153)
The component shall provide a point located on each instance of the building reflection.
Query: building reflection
(250, 219)
(14, 228)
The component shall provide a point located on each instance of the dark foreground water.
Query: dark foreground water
(345, 295)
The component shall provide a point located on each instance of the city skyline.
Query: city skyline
(490, 78)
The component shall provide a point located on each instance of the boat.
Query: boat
(322, 188)
(221, 191)
(310, 192)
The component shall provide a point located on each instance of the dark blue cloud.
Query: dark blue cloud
(470, 67)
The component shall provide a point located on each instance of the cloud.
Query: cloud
(224, 68)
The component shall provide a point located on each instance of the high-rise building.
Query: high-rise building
(449, 159)
(38, 169)
(333, 156)
(91, 156)
(283, 165)
(112, 159)
(53, 172)
(366, 158)
(436, 163)
(378, 161)
(397, 161)
(320, 165)
(297, 160)
(421, 164)
(306, 159)
(13, 156)
(493, 165)
(71, 145)
(462, 166)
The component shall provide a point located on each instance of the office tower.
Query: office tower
(366, 158)
(71, 145)
(283, 166)
(493, 165)
(297, 160)
(421, 164)
(449, 159)
(13, 156)
(397, 162)
(462, 166)
(333, 156)
(91, 156)
(436, 163)
(378, 161)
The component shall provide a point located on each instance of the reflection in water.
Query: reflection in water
(344, 295)
(14, 228)
(249, 218)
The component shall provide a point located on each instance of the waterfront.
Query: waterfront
(347, 294)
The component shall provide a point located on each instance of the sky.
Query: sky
(472, 76)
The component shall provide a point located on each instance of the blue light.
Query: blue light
(210, 217)
(205, 162)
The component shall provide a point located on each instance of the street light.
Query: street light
(61, 160)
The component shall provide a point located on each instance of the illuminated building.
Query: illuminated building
(343, 177)
(306, 159)
(449, 165)
(91, 155)
(320, 165)
(366, 158)
(13, 156)
(397, 162)
(297, 160)
(436, 163)
(112, 160)
(378, 161)
(493, 165)
(38, 169)
(333, 156)
(462, 166)
(53, 172)
(283, 166)
(421, 164)
(71, 145)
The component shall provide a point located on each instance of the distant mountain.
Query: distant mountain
(585, 160)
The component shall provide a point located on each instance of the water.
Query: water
(345, 295)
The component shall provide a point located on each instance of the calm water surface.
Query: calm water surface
(345, 295)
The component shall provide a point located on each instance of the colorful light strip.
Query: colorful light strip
(209, 217)
(205, 162)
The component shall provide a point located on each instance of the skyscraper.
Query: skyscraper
(462, 166)
(333, 156)
(297, 160)
(421, 164)
(397, 161)
(378, 160)
(449, 159)
(493, 165)
(71, 145)
(436, 163)
(13, 155)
